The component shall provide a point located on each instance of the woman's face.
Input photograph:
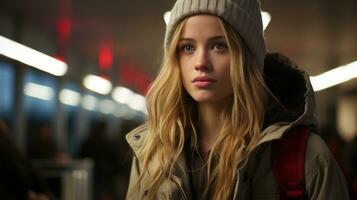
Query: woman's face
(204, 60)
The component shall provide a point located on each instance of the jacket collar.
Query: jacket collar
(180, 174)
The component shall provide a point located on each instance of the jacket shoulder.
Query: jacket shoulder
(317, 156)
(136, 138)
(323, 176)
(317, 149)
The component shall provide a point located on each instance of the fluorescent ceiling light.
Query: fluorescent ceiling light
(121, 111)
(38, 91)
(127, 97)
(334, 77)
(89, 102)
(106, 106)
(122, 95)
(347, 117)
(97, 84)
(138, 103)
(32, 57)
(266, 17)
(69, 97)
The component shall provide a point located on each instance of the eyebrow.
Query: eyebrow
(209, 39)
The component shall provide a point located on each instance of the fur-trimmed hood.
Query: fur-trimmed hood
(292, 87)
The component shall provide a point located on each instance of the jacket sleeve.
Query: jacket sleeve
(324, 178)
(134, 193)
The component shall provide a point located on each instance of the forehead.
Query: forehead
(202, 26)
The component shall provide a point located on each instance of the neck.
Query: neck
(210, 124)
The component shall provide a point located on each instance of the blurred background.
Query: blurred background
(73, 74)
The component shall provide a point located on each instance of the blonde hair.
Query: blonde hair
(171, 122)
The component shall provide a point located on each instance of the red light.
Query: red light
(106, 77)
(63, 29)
(105, 59)
(59, 57)
(131, 76)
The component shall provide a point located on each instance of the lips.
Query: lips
(203, 81)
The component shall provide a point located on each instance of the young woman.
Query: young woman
(215, 108)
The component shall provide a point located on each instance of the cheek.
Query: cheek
(224, 68)
(222, 62)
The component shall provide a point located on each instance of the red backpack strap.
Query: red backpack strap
(288, 163)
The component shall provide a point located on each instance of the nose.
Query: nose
(202, 61)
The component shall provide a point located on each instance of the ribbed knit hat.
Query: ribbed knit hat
(243, 15)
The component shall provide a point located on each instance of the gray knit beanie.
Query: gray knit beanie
(243, 15)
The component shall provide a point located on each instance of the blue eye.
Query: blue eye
(220, 46)
(187, 48)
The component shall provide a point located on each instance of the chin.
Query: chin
(204, 99)
(210, 98)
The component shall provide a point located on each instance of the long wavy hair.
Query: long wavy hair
(172, 119)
